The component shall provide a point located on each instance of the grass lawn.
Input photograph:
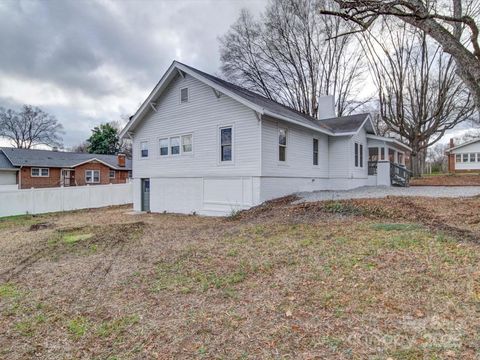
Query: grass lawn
(459, 179)
(387, 278)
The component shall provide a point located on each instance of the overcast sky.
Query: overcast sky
(88, 62)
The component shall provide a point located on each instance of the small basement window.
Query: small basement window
(184, 95)
(40, 172)
(92, 176)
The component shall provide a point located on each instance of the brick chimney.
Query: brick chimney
(451, 143)
(451, 158)
(121, 160)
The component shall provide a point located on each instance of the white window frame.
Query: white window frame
(110, 174)
(179, 145)
(356, 155)
(148, 149)
(313, 152)
(188, 95)
(467, 157)
(160, 147)
(471, 158)
(282, 162)
(219, 145)
(40, 170)
(458, 158)
(191, 144)
(92, 176)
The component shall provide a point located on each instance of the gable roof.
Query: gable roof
(60, 159)
(5, 163)
(462, 145)
(349, 125)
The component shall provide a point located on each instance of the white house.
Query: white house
(464, 157)
(204, 145)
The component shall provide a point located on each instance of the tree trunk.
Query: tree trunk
(417, 159)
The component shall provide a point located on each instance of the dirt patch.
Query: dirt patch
(41, 226)
(447, 180)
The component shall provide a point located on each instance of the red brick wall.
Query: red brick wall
(27, 181)
(120, 176)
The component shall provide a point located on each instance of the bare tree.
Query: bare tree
(437, 158)
(30, 126)
(445, 21)
(420, 96)
(284, 56)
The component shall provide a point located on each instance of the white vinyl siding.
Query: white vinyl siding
(201, 117)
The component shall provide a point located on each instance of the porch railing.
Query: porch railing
(372, 168)
(399, 175)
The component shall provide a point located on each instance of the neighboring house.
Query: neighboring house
(204, 145)
(43, 168)
(464, 157)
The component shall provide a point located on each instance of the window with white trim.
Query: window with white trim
(464, 157)
(458, 158)
(92, 176)
(315, 151)
(144, 149)
(175, 145)
(186, 144)
(226, 144)
(164, 147)
(111, 174)
(40, 172)
(472, 157)
(282, 144)
(184, 95)
(356, 154)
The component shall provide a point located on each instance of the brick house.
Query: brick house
(464, 157)
(44, 168)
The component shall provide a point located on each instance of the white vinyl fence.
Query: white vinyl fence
(38, 201)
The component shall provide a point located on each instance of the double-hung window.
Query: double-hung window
(282, 144)
(458, 158)
(226, 144)
(315, 151)
(111, 174)
(465, 157)
(164, 147)
(472, 157)
(184, 95)
(144, 149)
(358, 155)
(175, 145)
(186, 144)
(40, 172)
(92, 176)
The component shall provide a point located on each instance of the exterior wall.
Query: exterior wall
(299, 154)
(468, 166)
(120, 176)
(201, 116)
(8, 177)
(53, 180)
(358, 172)
(27, 181)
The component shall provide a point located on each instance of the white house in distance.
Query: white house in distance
(464, 157)
(204, 145)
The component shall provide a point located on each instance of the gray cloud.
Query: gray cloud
(93, 61)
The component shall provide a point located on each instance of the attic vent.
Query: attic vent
(184, 95)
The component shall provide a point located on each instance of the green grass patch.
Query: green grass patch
(18, 221)
(116, 327)
(78, 327)
(74, 238)
(8, 290)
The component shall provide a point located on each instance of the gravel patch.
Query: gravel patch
(383, 191)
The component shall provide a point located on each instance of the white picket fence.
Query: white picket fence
(39, 201)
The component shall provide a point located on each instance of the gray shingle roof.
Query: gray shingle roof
(4, 162)
(345, 124)
(46, 158)
(335, 125)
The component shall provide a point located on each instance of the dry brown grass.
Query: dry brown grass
(395, 277)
